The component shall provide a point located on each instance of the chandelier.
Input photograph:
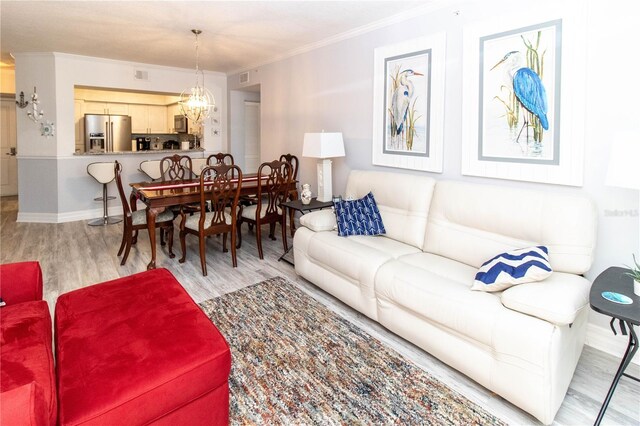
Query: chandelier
(196, 103)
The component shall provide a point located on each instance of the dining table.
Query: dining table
(158, 196)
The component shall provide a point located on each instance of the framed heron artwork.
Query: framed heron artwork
(519, 103)
(409, 103)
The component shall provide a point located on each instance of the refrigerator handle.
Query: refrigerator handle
(111, 135)
(106, 140)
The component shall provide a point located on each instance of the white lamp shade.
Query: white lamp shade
(323, 145)
(623, 170)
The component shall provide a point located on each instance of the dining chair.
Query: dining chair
(151, 168)
(220, 158)
(137, 220)
(272, 191)
(293, 194)
(176, 168)
(220, 188)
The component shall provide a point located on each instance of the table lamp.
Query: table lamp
(323, 146)
(623, 170)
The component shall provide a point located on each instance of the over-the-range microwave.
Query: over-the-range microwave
(181, 124)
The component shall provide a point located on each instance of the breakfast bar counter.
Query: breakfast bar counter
(146, 152)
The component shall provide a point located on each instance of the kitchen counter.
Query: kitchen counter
(151, 151)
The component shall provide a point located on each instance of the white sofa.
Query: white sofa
(522, 343)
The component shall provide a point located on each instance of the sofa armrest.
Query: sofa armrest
(319, 220)
(557, 299)
(24, 405)
(20, 282)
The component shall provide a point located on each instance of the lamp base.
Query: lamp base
(325, 189)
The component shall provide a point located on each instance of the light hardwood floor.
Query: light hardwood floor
(74, 255)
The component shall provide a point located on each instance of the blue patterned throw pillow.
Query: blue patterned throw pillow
(512, 268)
(359, 217)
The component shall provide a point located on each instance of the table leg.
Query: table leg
(632, 348)
(152, 213)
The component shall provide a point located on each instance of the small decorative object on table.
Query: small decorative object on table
(305, 195)
(336, 198)
(634, 272)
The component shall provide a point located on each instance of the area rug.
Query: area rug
(296, 362)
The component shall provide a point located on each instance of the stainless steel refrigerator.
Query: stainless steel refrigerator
(107, 133)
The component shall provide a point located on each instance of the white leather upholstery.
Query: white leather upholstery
(558, 299)
(151, 168)
(198, 164)
(403, 201)
(102, 172)
(472, 223)
(522, 343)
(320, 220)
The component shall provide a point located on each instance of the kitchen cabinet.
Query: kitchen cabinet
(148, 118)
(78, 118)
(105, 108)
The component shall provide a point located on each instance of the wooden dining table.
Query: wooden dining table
(158, 196)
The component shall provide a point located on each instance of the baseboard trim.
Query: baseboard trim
(604, 340)
(67, 216)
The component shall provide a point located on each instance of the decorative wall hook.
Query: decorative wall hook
(22, 104)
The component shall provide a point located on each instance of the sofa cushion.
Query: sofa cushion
(20, 282)
(359, 217)
(511, 268)
(470, 223)
(25, 352)
(320, 220)
(438, 290)
(558, 299)
(403, 201)
(132, 350)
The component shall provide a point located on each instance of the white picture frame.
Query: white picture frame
(409, 79)
(487, 151)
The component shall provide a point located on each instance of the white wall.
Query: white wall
(70, 191)
(331, 88)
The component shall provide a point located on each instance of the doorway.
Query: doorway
(251, 135)
(244, 127)
(8, 162)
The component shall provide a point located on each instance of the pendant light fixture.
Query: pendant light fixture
(196, 103)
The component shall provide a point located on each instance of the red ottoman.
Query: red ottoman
(138, 350)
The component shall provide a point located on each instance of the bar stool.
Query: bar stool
(103, 173)
(151, 168)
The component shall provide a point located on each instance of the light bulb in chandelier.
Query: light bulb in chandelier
(197, 102)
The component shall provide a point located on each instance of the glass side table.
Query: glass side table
(615, 280)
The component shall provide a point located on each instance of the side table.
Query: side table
(296, 205)
(614, 279)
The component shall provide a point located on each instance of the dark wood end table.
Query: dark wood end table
(296, 205)
(614, 279)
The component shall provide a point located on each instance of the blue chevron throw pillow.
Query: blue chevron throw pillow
(359, 217)
(512, 268)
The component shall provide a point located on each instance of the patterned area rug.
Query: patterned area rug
(296, 362)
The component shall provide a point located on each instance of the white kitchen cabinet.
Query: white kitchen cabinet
(148, 118)
(91, 107)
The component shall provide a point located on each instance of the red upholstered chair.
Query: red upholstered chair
(27, 388)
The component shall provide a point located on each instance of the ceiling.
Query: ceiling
(236, 34)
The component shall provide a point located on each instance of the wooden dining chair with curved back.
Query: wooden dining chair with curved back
(272, 191)
(293, 194)
(220, 158)
(137, 220)
(176, 168)
(220, 188)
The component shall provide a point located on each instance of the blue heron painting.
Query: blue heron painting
(401, 102)
(528, 89)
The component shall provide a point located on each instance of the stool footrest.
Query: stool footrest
(110, 197)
